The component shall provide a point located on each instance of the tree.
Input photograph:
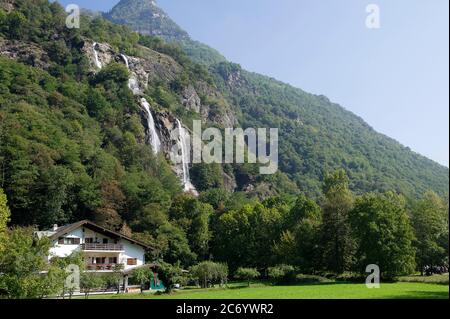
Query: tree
(299, 242)
(209, 273)
(430, 221)
(60, 273)
(170, 275)
(193, 217)
(384, 234)
(90, 281)
(5, 213)
(142, 275)
(247, 274)
(21, 263)
(337, 243)
(16, 25)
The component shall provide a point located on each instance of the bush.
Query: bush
(282, 274)
(247, 274)
(208, 273)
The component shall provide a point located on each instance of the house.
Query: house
(102, 248)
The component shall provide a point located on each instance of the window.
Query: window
(89, 240)
(105, 240)
(132, 261)
(100, 260)
(112, 260)
(69, 241)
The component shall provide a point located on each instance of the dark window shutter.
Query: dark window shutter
(61, 241)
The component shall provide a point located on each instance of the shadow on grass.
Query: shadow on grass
(423, 295)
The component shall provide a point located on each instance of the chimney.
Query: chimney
(55, 227)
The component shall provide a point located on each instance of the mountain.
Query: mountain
(317, 135)
(145, 17)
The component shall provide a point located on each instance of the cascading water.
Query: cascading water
(154, 138)
(183, 140)
(133, 84)
(97, 61)
(125, 59)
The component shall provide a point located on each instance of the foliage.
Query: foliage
(90, 281)
(208, 273)
(5, 213)
(21, 262)
(430, 221)
(142, 275)
(336, 242)
(281, 274)
(247, 274)
(170, 275)
(384, 234)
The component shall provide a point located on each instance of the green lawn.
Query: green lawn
(401, 290)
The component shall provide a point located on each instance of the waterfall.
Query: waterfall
(125, 59)
(185, 154)
(155, 141)
(133, 84)
(154, 138)
(97, 61)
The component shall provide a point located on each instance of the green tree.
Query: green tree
(430, 221)
(142, 275)
(21, 263)
(90, 281)
(337, 243)
(247, 274)
(170, 275)
(5, 213)
(209, 273)
(59, 275)
(193, 217)
(299, 242)
(384, 234)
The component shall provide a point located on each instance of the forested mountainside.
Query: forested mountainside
(85, 122)
(317, 135)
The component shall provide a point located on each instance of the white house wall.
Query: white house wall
(132, 251)
(66, 250)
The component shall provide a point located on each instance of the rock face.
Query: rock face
(190, 99)
(7, 5)
(25, 52)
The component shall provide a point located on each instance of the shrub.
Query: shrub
(282, 274)
(247, 274)
(209, 273)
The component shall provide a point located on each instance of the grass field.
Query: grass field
(401, 290)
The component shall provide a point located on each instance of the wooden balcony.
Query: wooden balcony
(102, 247)
(100, 266)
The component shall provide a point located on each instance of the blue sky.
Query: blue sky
(396, 77)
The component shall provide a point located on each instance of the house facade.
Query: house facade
(102, 248)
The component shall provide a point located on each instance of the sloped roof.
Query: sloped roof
(63, 230)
